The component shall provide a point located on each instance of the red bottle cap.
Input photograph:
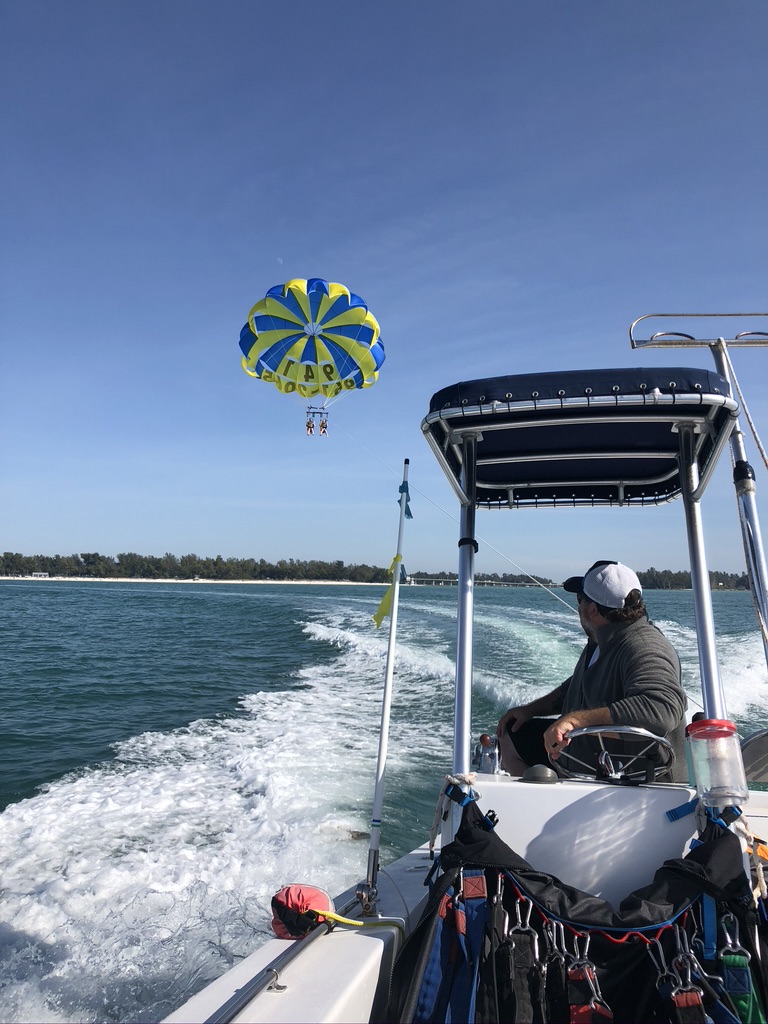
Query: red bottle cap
(711, 728)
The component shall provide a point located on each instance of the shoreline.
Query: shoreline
(136, 579)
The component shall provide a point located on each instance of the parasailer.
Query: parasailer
(313, 338)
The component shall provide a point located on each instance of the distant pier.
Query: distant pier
(425, 582)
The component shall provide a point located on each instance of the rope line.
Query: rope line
(368, 923)
(455, 520)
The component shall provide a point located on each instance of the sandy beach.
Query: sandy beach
(135, 579)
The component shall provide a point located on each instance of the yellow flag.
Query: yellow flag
(385, 608)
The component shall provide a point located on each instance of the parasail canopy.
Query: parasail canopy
(312, 338)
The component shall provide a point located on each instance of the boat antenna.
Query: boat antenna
(366, 891)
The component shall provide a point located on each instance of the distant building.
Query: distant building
(40, 575)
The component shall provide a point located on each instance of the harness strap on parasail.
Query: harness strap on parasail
(688, 1006)
(737, 981)
(528, 971)
(585, 1000)
(733, 960)
(449, 985)
(605, 972)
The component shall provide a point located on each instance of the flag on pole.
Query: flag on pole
(404, 490)
(385, 607)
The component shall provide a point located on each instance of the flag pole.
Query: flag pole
(366, 891)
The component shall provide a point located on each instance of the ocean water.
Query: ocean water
(174, 753)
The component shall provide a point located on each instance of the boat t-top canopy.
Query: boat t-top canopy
(579, 437)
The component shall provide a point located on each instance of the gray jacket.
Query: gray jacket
(637, 677)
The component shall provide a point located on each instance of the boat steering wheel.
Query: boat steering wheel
(606, 769)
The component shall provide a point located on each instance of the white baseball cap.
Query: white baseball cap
(605, 583)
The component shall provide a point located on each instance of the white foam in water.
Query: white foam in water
(128, 887)
(741, 661)
(537, 650)
(744, 675)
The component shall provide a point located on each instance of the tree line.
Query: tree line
(666, 579)
(188, 567)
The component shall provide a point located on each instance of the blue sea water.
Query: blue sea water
(173, 753)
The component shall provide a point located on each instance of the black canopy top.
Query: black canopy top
(580, 437)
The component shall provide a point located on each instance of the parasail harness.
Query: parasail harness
(501, 941)
(312, 412)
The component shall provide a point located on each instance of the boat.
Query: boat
(603, 880)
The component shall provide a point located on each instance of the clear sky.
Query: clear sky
(507, 184)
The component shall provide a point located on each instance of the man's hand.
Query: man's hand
(557, 736)
(515, 717)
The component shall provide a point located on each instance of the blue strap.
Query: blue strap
(449, 984)
(478, 920)
(731, 812)
(717, 1011)
(684, 809)
(429, 990)
(737, 979)
(457, 794)
(709, 923)
(432, 873)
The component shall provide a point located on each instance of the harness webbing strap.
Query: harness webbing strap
(709, 925)
(477, 913)
(556, 989)
(737, 982)
(434, 979)
(584, 1006)
(527, 980)
(689, 1009)
(717, 1002)
(449, 986)
(494, 978)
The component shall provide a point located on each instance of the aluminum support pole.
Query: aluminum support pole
(462, 720)
(711, 685)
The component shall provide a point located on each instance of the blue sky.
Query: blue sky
(507, 184)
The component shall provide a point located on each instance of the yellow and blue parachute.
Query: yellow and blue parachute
(312, 338)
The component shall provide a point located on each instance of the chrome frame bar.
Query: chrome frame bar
(462, 725)
(440, 456)
(676, 339)
(754, 553)
(711, 684)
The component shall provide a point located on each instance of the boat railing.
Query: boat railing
(680, 339)
(743, 473)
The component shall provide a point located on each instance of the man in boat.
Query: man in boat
(628, 674)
